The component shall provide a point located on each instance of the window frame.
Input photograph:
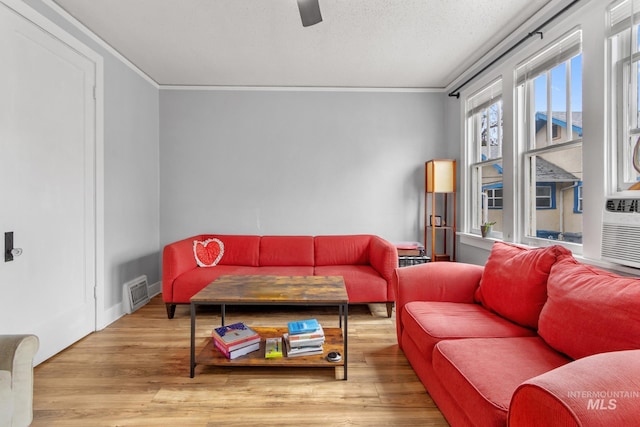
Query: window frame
(544, 62)
(482, 100)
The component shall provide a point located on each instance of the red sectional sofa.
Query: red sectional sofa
(533, 338)
(366, 263)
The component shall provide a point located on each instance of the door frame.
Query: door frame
(98, 185)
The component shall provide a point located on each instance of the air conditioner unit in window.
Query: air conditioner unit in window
(621, 232)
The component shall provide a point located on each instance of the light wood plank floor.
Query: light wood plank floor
(136, 373)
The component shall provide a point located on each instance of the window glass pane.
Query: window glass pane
(559, 92)
(491, 132)
(626, 76)
(576, 96)
(553, 213)
(490, 203)
(540, 102)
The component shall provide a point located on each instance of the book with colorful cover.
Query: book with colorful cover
(273, 348)
(301, 351)
(237, 345)
(303, 326)
(318, 333)
(234, 336)
(314, 342)
(239, 352)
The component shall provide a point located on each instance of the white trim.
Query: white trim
(95, 38)
(99, 195)
(303, 88)
(34, 16)
(546, 12)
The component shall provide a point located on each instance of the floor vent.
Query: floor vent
(135, 294)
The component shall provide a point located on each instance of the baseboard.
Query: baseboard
(155, 289)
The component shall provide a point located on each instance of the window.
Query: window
(485, 137)
(545, 196)
(577, 208)
(549, 103)
(494, 198)
(624, 18)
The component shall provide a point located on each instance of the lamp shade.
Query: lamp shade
(440, 176)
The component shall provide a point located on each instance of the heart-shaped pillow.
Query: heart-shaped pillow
(209, 252)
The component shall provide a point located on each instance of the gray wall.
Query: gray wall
(296, 162)
(131, 171)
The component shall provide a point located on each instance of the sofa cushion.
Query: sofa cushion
(481, 374)
(514, 281)
(190, 283)
(429, 322)
(363, 283)
(590, 310)
(342, 250)
(238, 249)
(286, 250)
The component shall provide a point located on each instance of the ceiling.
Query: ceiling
(360, 43)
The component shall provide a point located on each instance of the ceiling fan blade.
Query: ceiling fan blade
(309, 12)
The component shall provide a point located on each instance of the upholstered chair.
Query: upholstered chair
(16, 379)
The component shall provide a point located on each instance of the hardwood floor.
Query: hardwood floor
(136, 373)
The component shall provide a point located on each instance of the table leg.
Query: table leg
(222, 312)
(346, 333)
(193, 341)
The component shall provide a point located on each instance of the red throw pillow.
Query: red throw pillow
(590, 310)
(514, 281)
(209, 252)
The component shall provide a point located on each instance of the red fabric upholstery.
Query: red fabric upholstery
(429, 322)
(514, 282)
(598, 390)
(363, 282)
(383, 257)
(286, 250)
(485, 372)
(190, 283)
(434, 281)
(239, 249)
(578, 321)
(368, 263)
(338, 250)
(471, 360)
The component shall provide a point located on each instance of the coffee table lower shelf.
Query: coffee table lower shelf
(333, 342)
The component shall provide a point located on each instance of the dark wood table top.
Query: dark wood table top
(230, 289)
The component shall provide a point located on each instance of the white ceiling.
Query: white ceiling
(360, 43)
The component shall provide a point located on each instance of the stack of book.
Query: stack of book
(235, 340)
(305, 338)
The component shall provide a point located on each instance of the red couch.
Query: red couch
(365, 262)
(533, 338)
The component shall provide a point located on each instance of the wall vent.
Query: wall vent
(621, 232)
(135, 294)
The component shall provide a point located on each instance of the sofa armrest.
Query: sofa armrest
(437, 281)
(598, 390)
(434, 281)
(16, 364)
(177, 258)
(383, 257)
(6, 399)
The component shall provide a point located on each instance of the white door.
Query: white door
(47, 185)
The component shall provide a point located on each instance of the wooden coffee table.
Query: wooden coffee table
(275, 290)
